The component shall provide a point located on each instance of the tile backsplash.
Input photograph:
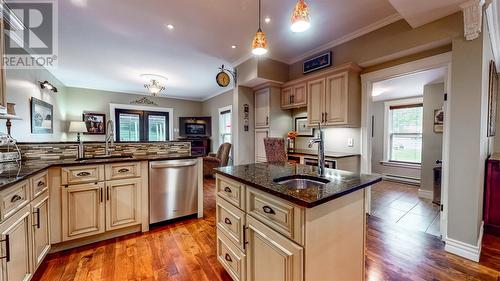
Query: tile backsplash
(56, 151)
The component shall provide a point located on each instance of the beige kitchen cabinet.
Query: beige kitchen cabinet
(40, 229)
(260, 150)
(3, 98)
(15, 263)
(271, 256)
(262, 108)
(123, 201)
(82, 174)
(315, 105)
(82, 210)
(294, 96)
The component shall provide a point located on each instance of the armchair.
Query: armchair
(215, 160)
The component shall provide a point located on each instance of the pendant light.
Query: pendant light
(259, 43)
(301, 19)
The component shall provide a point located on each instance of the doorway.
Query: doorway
(395, 125)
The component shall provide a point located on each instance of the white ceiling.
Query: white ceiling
(407, 86)
(420, 12)
(106, 45)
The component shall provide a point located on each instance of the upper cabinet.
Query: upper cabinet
(332, 97)
(3, 102)
(262, 108)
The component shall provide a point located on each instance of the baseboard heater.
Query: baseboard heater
(401, 179)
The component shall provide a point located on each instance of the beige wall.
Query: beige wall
(432, 145)
(211, 107)
(243, 142)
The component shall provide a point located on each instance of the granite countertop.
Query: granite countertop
(313, 152)
(261, 176)
(12, 172)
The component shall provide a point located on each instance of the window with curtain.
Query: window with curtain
(405, 133)
(136, 125)
(225, 126)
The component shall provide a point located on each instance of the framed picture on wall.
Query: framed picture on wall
(302, 129)
(41, 117)
(96, 123)
(492, 99)
(438, 120)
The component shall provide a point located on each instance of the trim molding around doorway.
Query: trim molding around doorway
(367, 81)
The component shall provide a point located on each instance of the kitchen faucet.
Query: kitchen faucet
(321, 150)
(110, 135)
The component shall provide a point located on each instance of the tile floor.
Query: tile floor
(399, 203)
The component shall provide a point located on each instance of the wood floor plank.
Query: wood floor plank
(186, 251)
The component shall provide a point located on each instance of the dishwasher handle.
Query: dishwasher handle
(173, 165)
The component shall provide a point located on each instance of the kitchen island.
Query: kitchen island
(283, 222)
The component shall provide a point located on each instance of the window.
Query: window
(225, 125)
(136, 125)
(405, 133)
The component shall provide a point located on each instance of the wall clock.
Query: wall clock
(223, 78)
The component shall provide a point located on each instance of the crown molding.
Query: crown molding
(217, 94)
(346, 38)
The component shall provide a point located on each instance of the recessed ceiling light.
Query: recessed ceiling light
(234, 46)
(267, 19)
(169, 26)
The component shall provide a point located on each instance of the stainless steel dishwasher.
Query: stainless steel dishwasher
(173, 189)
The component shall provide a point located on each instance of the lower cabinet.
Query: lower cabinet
(283, 258)
(94, 208)
(40, 229)
(15, 259)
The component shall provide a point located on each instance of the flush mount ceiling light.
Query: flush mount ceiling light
(259, 43)
(301, 19)
(46, 85)
(169, 26)
(154, 83)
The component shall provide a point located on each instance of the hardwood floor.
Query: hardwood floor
(186, 251)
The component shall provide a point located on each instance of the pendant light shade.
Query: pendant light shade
(259, 42)
(301, 19)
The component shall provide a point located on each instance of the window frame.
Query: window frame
(221, 111)
(388, 135)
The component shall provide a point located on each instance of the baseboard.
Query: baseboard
(426, 194)
(465, 250)
(401, 179)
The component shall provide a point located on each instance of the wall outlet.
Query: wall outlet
(350, 142)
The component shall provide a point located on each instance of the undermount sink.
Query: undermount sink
(301, 181)
(105, 157)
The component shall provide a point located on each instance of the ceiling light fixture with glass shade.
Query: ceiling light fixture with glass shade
(301, 18)
(154, 83)
(259, 43)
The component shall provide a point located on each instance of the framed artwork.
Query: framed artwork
(41, 117)
(438, 120)
(96, 123)
(492, 99)
(302, 129)
(318, 62)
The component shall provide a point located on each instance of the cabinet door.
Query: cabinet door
(82, 210)
(15, 247)
(286, 97)
(315, 101)
(300, 95)
(336, 101)
(123, 199)
(260, 150)
(283, 259)
(3, 98)
(40, 229)
(262, 108)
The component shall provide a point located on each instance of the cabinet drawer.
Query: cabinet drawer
(278, 214)
(117, 171)
(82, 174)
(232, 191)
(14, 198)
(39, 184)
(231, 258)
(230, 221)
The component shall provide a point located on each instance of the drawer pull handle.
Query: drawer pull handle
(228, 258)
(41, 183)
(268, 210)
(15, 198)
(227, 189)
(124, 170)
(7, 248)
(228, 221)
(83, 174)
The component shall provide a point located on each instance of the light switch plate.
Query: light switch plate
(350, 142)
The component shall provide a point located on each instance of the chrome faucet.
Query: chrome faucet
(110, 135)
(321, 150)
